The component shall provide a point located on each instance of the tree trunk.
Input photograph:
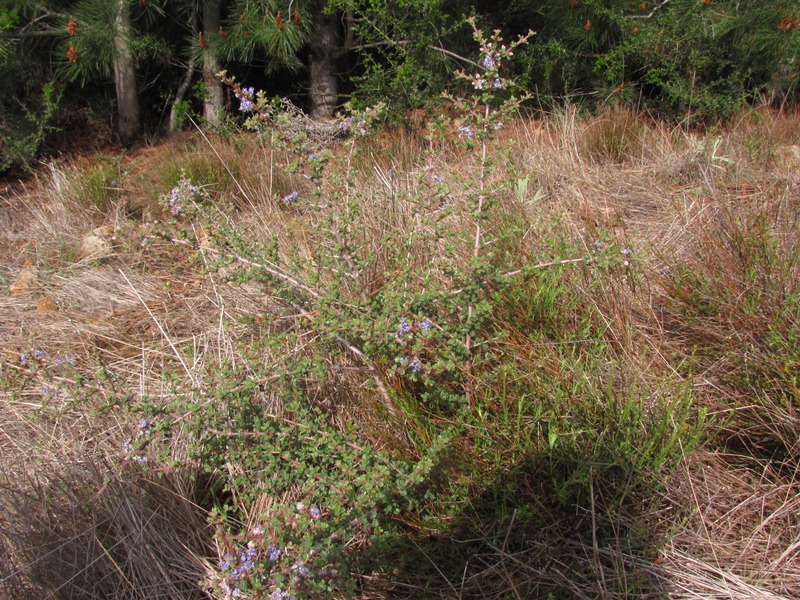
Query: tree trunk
(213, 102)
(125, 76)
(186, 80)
(325, 52)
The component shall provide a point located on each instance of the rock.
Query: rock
(96, 245)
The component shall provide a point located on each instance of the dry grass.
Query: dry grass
(682, 203)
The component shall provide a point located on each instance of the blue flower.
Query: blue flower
(415, 366)
(38, 354)
(598, 246)
(314, 512)
(466, 131)
(425, 325)
(497, 84)
(488, 62)
(290, 197)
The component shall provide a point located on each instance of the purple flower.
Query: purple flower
(415, 366)
(488, 62)
(466, 131)
(140, 460)
(301, 570)
(38, 354)
(425, 325)
(248, 557)
(290, 197)
(246, 99)
(314, 512)
(273, 554)
(403, 328)
(70, 360)
(497, 84)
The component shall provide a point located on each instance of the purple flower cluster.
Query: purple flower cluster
(466, 131)
(403, 328)
(69, 360)
(246, 103)
(247, 562)
(273, 554)
(25, 357)
(185, 191)
(290, 197)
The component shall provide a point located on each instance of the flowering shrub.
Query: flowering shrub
(422, 346)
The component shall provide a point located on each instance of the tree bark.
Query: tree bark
(130, 120)
(325, 52)
(213, 103)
